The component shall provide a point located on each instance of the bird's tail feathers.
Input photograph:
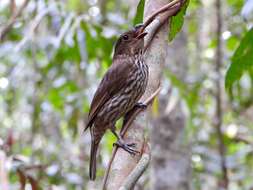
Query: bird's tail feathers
(93, 154)
(93, 159)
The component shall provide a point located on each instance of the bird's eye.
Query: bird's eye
(125, 37)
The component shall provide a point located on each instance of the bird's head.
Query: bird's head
(131, 42)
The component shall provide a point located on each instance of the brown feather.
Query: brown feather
(114, 79)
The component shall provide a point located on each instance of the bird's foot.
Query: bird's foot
(129, 147)
(140, 105)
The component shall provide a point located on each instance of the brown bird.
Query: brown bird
(119, 91)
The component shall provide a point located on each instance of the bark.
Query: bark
(170, 154)
(124, 163)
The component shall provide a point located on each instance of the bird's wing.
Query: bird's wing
(114, 79)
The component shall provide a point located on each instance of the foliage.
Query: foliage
(241, 61)
(177, 21)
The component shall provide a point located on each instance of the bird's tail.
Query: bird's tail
(93, 155)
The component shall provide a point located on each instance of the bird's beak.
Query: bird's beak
(140, 31)
(141, 35)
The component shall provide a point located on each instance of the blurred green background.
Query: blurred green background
(53, 58)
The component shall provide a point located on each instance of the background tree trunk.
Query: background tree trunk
(171, 165)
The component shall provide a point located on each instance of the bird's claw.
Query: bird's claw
(129, 147)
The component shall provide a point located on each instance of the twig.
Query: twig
(133, 177)
(124, 130)
(12, 20)
(177, 4)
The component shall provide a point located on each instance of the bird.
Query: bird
(119, 91)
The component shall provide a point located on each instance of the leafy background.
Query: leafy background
(53, 58)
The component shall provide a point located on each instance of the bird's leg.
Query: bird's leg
(126, 117)
(140, 105)
(129, 147)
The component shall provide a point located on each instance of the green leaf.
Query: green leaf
(56, 99)
(57, 96)
(235, 3)
(241, 61)
(139, 12)
(232, 43)
(177, 21)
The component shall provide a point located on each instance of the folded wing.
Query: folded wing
(114, 79)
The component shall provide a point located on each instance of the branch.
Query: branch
(133, 177)
(12, 20)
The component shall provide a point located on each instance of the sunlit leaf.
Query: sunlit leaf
(232, 43)
(27, 151)
(55, 98)
(155, 107)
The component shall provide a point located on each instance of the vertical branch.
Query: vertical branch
(218, 116)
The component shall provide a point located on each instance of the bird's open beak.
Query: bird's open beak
(140, 34)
